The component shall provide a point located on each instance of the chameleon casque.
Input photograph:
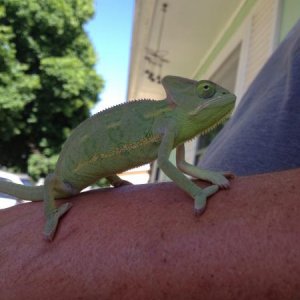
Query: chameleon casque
(132, 134)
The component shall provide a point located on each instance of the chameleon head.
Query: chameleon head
(203, 101)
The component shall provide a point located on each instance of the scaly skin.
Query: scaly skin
(132, 134)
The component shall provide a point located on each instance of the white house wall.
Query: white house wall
(261, 37)
(257, 37)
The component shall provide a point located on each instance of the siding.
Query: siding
(261, 37)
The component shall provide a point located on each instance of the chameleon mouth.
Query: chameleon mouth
(219, 99)
(220, 121)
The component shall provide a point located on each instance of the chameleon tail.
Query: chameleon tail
(33, 193)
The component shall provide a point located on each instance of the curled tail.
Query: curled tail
(24, 192)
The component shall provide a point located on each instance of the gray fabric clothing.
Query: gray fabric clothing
(263, 135)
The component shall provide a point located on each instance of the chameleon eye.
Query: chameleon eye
(206, 89)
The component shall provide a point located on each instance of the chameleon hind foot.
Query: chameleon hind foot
(201, 198)
(123, 183)
(53, 220)
(116, 181)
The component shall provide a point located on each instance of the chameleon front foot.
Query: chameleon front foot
(223, 179)
(53, 220)
(201, 197)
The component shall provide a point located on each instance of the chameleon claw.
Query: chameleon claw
(225, 184)
(53, 220)
(228, 175)
(199, 211)
(201, 198)
(221, 179)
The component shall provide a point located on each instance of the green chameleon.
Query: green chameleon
(132, 134)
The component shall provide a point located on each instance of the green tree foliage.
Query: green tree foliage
(47, 79)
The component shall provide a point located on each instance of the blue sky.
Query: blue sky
(110, 32)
